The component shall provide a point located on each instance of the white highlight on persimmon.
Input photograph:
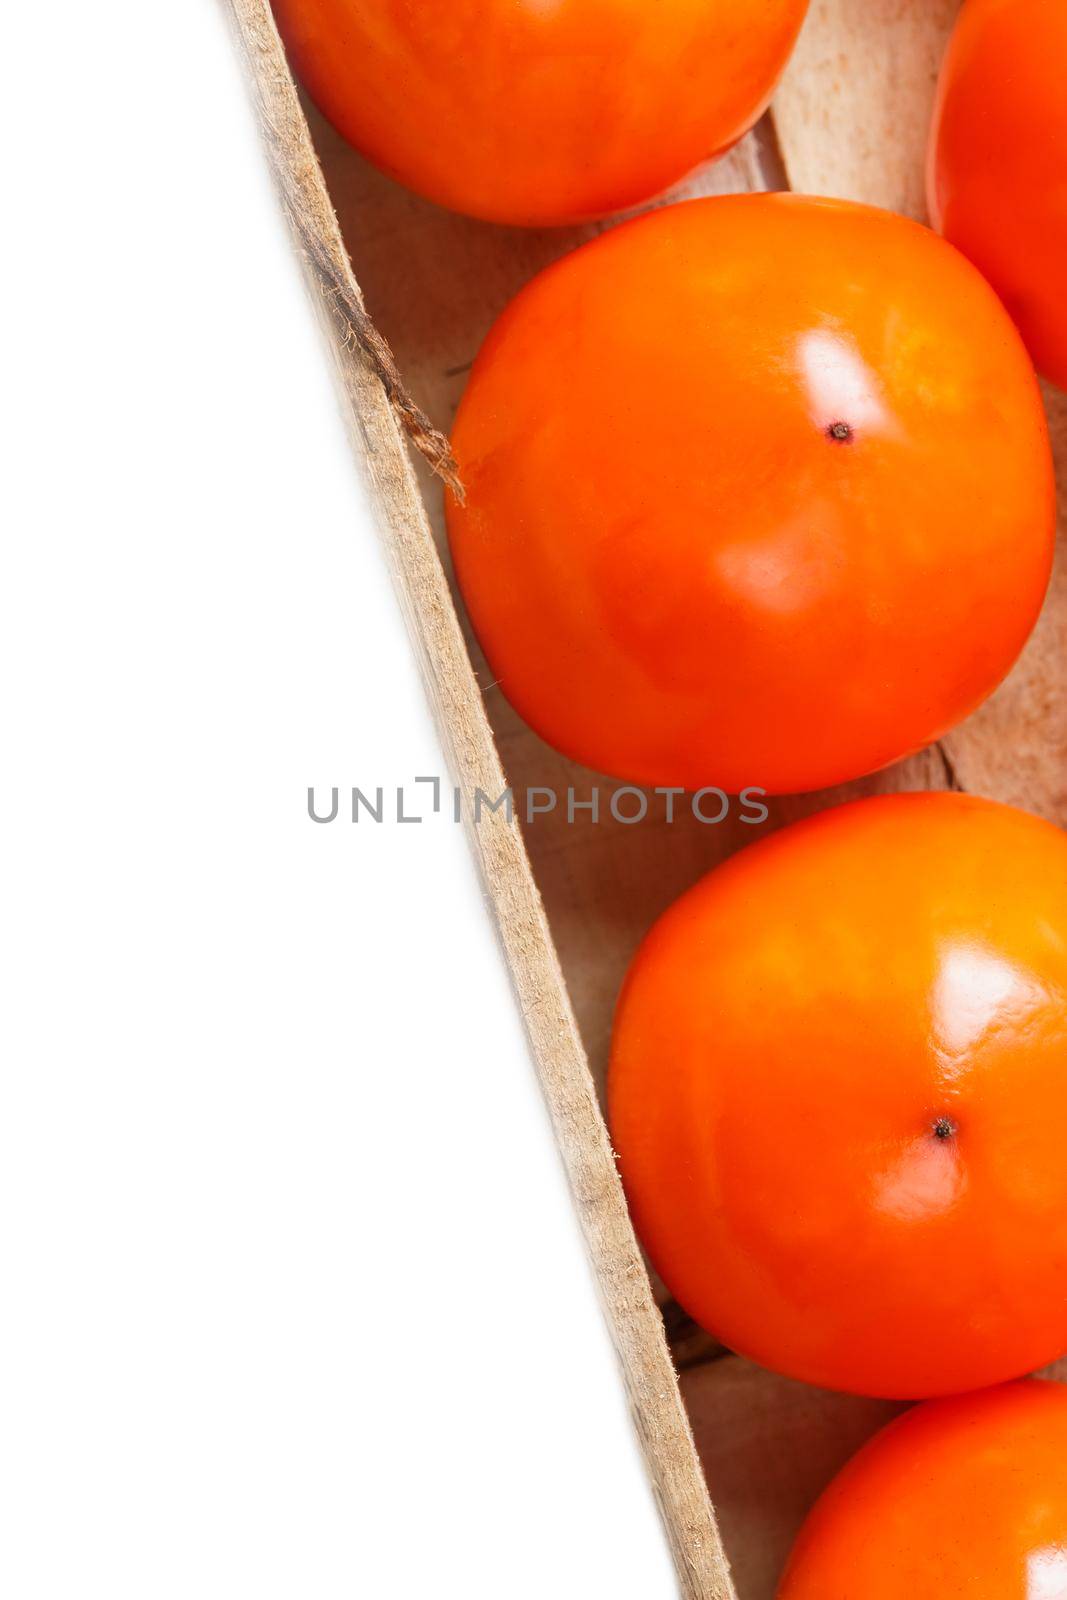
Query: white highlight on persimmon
(841, 386)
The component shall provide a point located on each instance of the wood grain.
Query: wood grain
(853, 107)
(633, 1319)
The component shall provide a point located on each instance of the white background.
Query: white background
(293, 1299)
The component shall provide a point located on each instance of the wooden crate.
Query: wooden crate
(572, 902)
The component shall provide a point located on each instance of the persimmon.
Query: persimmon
(540, 111)
(966, 1496)
(758, 493)
(998, 161)
(838, 1092)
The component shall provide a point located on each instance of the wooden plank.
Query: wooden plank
(853, 108)
(632, 1316)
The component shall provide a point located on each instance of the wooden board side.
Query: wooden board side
(633, 1318)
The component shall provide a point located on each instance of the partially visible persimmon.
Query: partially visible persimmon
(998, 161)
(759, 493)
(540, 111)
(838, 1090)
(964, 1497)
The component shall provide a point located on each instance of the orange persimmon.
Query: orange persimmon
(838, 1092)
(998, 161)
(759, 493)
(540, 111)
(961, 1497)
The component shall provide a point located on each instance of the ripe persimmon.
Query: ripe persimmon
(838, 1091)
(540, 111)
(998, 161)
(966, 1496)
(759, 493)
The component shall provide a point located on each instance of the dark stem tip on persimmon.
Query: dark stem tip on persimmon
(944, 1128)
(839, 432)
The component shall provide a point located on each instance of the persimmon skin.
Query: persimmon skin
(998, 162)
(839, 1097)
(540, 111)
(966, 1496)
(759, 493)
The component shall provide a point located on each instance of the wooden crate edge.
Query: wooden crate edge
(633, 1318)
